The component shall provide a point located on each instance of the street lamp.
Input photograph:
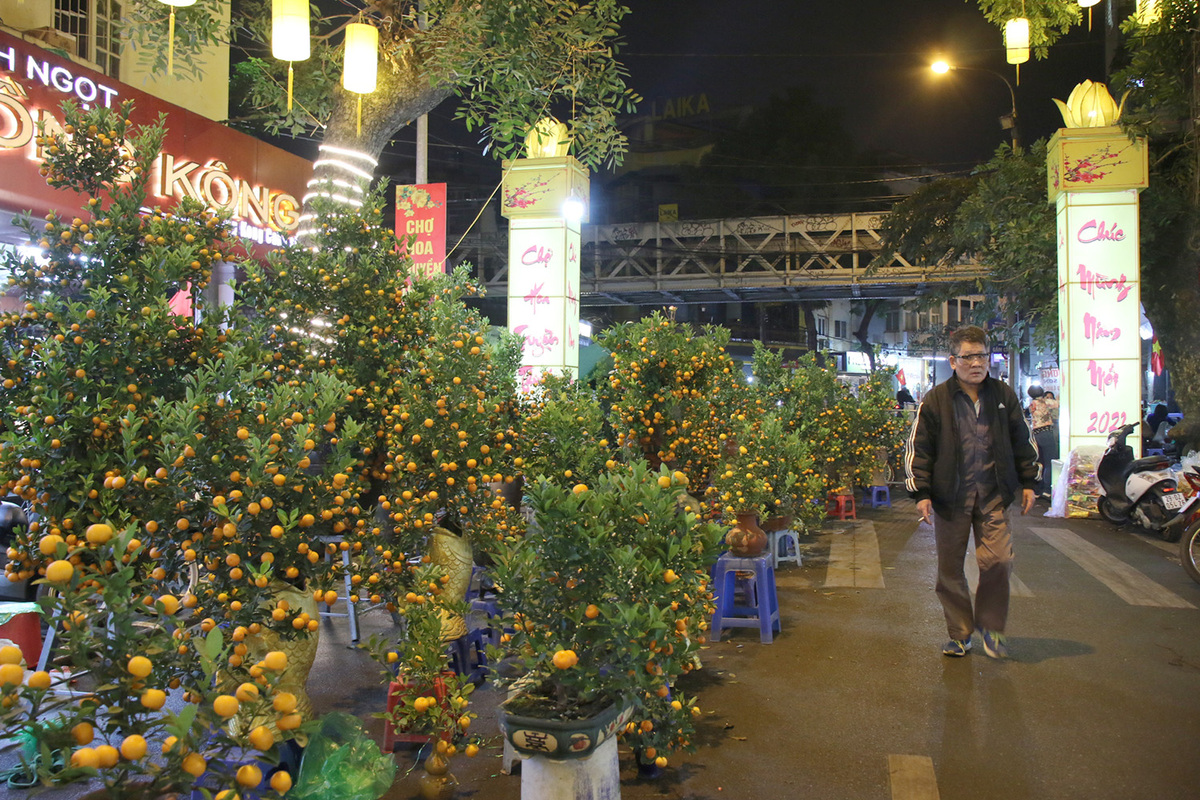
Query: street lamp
(1009, 121)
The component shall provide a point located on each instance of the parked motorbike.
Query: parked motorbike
(1141, 490)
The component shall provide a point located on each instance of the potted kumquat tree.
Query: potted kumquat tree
(608, 597)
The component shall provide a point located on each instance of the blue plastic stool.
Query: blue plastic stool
(777, 545)
(762, 609)
(877, 496)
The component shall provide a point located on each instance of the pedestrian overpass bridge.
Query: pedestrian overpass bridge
(750, 259)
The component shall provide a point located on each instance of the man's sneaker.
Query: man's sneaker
(994, 644)
(957, 648)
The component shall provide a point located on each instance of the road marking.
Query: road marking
(1016, 586)
(854, 558)
(912, 778)
(1130, 585)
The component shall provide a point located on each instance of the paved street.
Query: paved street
(854, 700)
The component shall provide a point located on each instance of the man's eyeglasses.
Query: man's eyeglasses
(973, 358)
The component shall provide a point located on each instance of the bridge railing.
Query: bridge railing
(801, 251)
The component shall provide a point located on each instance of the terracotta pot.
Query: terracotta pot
(781, 523)
(745, 539)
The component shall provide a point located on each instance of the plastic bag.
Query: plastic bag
(342, 762)
(1075, 492)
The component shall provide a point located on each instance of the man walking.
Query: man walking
(968, 454)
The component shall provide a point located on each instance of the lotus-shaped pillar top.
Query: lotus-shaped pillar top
(1090, 106)
(547, 139)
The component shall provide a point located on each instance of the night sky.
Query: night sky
(869, 57)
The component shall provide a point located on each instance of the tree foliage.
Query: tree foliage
(999, 217)
(1156, 66)
(509, 62)
(1048, 19)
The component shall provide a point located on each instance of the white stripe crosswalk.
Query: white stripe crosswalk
(854, 558)
(854, 562)
(912, 778)
(1126, 582)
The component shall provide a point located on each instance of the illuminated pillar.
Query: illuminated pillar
(545, 201)
(1094, 176)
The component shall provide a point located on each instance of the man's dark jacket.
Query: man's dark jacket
(932, 457)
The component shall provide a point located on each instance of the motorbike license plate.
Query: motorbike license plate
(1172, 500)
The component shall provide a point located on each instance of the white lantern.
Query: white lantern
(289, 36)
(361, 66)
(289, 30)
(1148, 11)
(1016, 40)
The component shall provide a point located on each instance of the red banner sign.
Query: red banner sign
(421, 224)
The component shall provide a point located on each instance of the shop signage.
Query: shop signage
(228, 171)
(421, 225)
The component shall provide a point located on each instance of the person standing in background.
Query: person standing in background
(1043, 410)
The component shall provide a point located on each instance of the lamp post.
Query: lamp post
(1009, 122)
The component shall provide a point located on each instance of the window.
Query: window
(891, 321)
(840, 329)
(93, 24)
(822, 328)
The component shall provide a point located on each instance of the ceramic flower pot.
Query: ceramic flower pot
(561, 738)
(301, 653)
(745, 539)
(452, 553)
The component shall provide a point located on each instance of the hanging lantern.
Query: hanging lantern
(1016, 43)
(361, 66)
(1148, 11)
(1016, 40)
(289, 35)
(174, 4)
(360, 69)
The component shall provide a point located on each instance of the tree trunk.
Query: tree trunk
(404, 93)
(810, 330)
(861, 333)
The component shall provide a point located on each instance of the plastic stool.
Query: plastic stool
(840, 506)
(22, 625)
(762, 609)
(351, 613)
(468, 655)
(397, 691)
(877, 496)
(777, 541)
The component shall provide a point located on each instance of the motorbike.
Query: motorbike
(1141, 490)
